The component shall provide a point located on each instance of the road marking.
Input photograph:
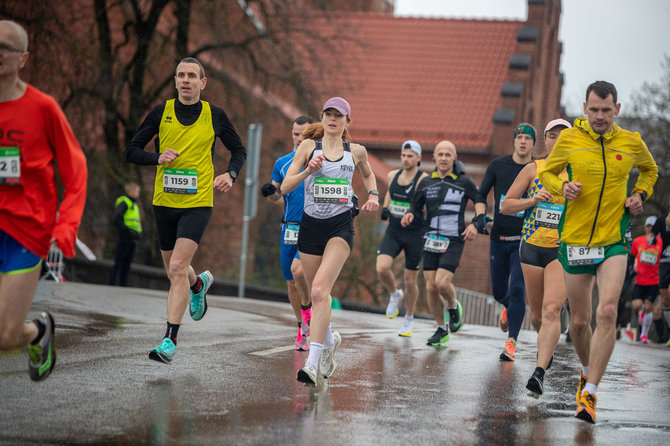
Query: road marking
(273, 350)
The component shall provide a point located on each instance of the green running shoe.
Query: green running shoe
(198, 306)
(456, 318)
(439, 337)
(163, 352)
(43, 354)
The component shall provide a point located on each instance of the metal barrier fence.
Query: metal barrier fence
(482, 309)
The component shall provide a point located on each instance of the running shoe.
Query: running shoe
(644, 340)
(394, 300)
(503, 323)
(308, 374)
(42, 356)
(306, 319)
(535, 385)
(439, 337)
(198, 306)
(164, 352)
(301, 342)
(580, 388)
(406, 328)
(668, 344)
(509, 350)
(586, 409)
(327, 362)
(456, 318)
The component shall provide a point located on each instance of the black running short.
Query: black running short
(315, 232)
(448, 260)
(537, 255)
(175, 223)
(408, 240)
(663, 275)
(645, 292)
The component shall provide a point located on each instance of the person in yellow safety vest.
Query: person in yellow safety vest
(128, 220)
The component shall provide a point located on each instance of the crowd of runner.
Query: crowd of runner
(559, 218)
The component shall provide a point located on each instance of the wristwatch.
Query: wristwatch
(373, 192)
(643, 194)
(232, 174)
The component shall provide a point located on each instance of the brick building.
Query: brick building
(468, 81)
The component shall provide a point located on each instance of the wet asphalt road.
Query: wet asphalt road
(233, 382)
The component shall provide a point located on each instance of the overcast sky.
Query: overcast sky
(621, 41)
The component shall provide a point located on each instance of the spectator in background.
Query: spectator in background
(128, 221)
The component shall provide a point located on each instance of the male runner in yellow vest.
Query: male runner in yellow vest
(184, 187)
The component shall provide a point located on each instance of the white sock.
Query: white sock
(591, 388)
(666, 314)
(409, 318)
(585, 370)
(396, 293)
(443, 327)
(646, 323)
(314, 353)
(328, 341)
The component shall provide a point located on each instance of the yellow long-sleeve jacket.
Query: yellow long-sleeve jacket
(602, 164)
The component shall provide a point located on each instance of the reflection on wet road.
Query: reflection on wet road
(233, 382)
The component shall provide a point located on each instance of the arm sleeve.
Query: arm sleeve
(556, 163)
(135, 152)
(419, 199)
(648, 171)
(226, 132)
(73, 174)
(276, 173)
(471, 190)
(487, 184)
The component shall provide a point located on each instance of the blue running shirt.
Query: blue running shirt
(294, 201)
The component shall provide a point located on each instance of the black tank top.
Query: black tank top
(401, 196)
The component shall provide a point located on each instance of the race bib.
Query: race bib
(331, 190)
(398, 208)
(436, 243)
(10, 166)
(548, 215)
(648, 257)
(518, 214)
(291, 234)
(180, 181)
(585, 255)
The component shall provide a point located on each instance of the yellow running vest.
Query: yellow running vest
(188, 181)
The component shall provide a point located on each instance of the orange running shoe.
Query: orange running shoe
(509, 350)
(586, 409)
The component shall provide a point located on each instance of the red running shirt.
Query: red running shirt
(646, 258)
(37, 126)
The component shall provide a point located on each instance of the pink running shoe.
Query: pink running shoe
(301, 342)
(306, 319)
(644, 340)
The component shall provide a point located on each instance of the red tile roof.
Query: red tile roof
(415, 78)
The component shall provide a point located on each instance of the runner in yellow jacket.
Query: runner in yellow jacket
(599, 156)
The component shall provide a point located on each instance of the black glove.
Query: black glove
(385, 214)
(268, 189)
(354, 210)
(480, 223)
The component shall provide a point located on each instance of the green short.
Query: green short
(615, 249)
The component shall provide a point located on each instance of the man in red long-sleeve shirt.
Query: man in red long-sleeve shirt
(34, 137)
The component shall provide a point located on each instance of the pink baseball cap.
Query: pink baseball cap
(556, 123)
(339, 104)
